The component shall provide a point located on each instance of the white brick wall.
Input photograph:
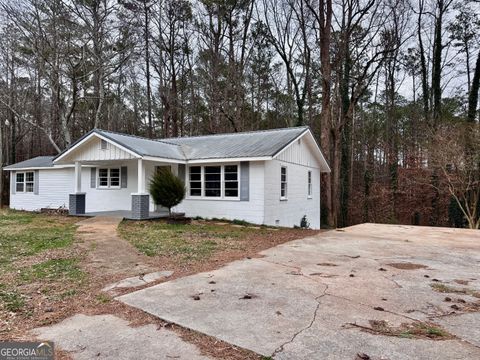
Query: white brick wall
(289, 212)
(251, 211)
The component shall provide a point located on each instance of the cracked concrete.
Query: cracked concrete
(109, 337)
(139, 280)
(305, 292)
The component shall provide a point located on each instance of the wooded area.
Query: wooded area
(389, 88)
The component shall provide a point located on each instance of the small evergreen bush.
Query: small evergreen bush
(166, 189)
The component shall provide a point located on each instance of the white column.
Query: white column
(141, 177)
(78, 177)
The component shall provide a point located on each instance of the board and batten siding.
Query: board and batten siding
(92, 151)
(54, 185)
(299, 159)
(300, 152)
(251, 210)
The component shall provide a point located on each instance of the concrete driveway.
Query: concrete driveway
(361, 292)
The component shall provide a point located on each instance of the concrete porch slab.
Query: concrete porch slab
(125, 214)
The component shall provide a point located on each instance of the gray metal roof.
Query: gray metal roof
(145, 147)
(237, 145)
(36, 162)
(251, 144)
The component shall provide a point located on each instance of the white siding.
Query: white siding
(251, 211)
(289, 212)
(298, 158)
(92, 151)
(53, 189)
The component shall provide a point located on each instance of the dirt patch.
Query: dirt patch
(326, 264)
(407, 266)
(442, 288)
(462, 282)
(109, 254)
(414, 330)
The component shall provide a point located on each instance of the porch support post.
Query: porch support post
(140, 200)
(78, 177)
(76, 204)
(141, 177)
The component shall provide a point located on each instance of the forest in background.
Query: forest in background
(389, 88)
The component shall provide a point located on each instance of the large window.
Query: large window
(309, 184)
(24, 181)
(109, 178)
(214, 181)
(283, 183)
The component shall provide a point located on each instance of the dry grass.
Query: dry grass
(414, 330)
(451, 290)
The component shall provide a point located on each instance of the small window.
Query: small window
(109, 178)
(25, 182)
(309, 184)
(103, 144)
(195, 181)
(29, 181)
(230, 176)
(283, 183)
(114, 177)
(20, 183)
(213, 181)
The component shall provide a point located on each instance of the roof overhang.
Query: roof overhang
(324, 167)
(225, 160)
(77, 144)
(39, 168)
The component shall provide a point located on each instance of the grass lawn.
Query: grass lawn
(36, 266)
(203, 241)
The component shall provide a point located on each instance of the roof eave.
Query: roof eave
(101, 135)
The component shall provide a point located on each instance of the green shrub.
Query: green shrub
(166, 189)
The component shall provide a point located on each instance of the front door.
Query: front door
(159, 208)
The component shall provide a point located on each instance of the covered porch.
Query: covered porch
(112, 180)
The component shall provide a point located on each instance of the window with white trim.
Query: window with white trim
(103, 144)
(214, 181)
(309, 184)
(283, 183)
(230, 178)
(109, 178)
(195, 177)
(24, 182)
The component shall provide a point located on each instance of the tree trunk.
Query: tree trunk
(473, 95)
(147, 69)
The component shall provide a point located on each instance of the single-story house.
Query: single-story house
(267, 177)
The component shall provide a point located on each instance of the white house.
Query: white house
(267, 177)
